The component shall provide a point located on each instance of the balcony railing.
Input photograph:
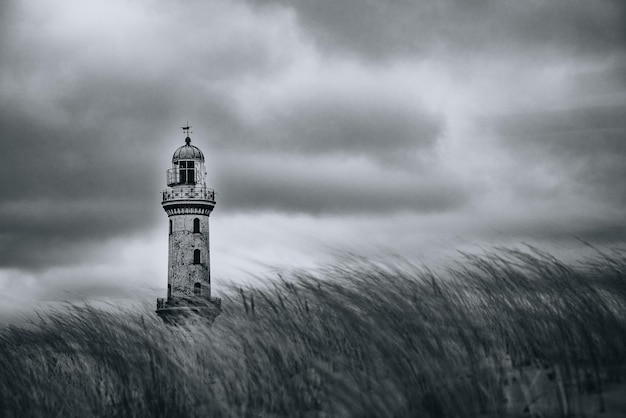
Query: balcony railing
(176, 176)
(188, 193)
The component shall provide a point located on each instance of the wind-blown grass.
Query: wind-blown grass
(359, 339)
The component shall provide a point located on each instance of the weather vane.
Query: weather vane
(186, 129)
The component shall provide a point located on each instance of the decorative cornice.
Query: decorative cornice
(188, 208)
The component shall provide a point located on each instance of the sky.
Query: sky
(394, 128)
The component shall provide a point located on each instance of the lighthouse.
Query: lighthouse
(188, 203)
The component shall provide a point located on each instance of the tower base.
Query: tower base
(178, 311)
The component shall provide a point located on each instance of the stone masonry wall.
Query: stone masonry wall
(182, 272)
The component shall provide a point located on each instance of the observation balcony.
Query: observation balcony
(190, 192)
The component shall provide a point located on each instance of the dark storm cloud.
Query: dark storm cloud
(284, 183)
(603, 82)
(382, 29)
(343, 125)
(66, 185)
(588, 143)
(359, 129)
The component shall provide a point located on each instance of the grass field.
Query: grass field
(510, 333)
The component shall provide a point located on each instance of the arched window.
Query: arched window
(169, 291)
(196, 226)
(196, 256)
(170, 227)
(197, 289)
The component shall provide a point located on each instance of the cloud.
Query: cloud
(377, 29)
(323, 185)
(587, 144)
(343, 123)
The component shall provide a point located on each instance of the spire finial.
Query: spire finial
(186, 130)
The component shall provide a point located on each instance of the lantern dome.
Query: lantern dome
(188, 152)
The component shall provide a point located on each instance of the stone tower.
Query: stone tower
(188, 204)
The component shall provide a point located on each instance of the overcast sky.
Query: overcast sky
(378, 127)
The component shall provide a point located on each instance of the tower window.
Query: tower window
(187, 172)
(169, 291)
(182, 172)
(170, 227)
(196, 226)
(191, 178)
(197, 289)
(196, 256)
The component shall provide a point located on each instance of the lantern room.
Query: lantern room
(187, 166)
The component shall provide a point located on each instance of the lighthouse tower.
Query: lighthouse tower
(188, 204)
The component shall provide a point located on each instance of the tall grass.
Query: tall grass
(358, 339)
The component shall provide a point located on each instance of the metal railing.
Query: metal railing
(188, 193)
(183, 176)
